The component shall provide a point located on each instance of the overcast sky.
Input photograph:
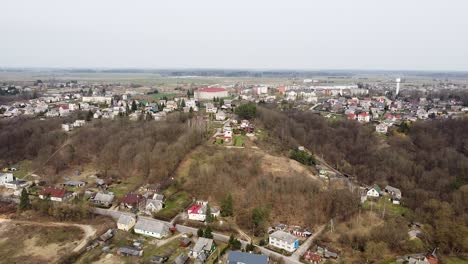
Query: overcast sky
(260, 34)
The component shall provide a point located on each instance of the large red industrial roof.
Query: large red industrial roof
(211, 90)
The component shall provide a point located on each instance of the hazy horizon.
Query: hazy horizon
(263, 35)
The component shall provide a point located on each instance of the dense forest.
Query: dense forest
(120, 148)
(429, 163)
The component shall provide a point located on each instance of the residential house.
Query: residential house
(130, 251)
(374, 191)
(73, 184)
(181, 259)
(381, 128)
(103, 199)
(107, 235)
(422, 114)
(238, 257)
(364, 117)
(16, 184)
(201, 259)
(67, 127)
(284, 240)
(210, 108)
(185, 242)
(395, 194)
(126, 222)
(203, 245)
(312, 257)
(151, 227)
(170, 106)
(55, 194)
(430, 258)
(64, 110)
(79, 123)
(153, 206)
(325, 253)
(133, 200)
(244, 123)
(158, 259)
(300, 232)
(220, 115)
(52, 113)
(197, 212)
(6, 177)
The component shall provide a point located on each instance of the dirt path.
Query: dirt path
(165, 241)
(88, 230)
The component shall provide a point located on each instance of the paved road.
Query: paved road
(306, 245)
(293, 259)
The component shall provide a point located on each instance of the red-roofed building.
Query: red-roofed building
(363, 117)
(312, 257)
(64, 110)
(197, 212)
(210, 93)
(133, 200)
(55, 194)
(351, 116)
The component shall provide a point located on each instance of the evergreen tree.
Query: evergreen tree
(148, 116)
(182, 104)
(209, 217)
(134, 106)
(200, 232)
(227, 206)
(25, 203)
(90, 92)
(250, 247)
(89, 116)
(208, 232)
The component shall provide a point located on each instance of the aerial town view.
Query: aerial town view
(244, 132)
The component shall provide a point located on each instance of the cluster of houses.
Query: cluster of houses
(429, 258)
(70, 126)
(375, 192)
(286, 237)
(387, 112)
(319, 254)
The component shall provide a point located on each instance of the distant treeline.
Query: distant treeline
(250, 73)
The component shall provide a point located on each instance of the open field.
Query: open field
(28, 243)
(175, 203)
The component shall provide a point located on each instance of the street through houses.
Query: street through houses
(293, 259)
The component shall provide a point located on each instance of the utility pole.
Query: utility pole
(383, 213)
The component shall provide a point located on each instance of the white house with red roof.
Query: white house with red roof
(64, 110)
(197, 212)
(363, 117)
(351, 116)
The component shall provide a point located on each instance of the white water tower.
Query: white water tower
(398, 80)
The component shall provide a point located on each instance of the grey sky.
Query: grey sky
(289, 34)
